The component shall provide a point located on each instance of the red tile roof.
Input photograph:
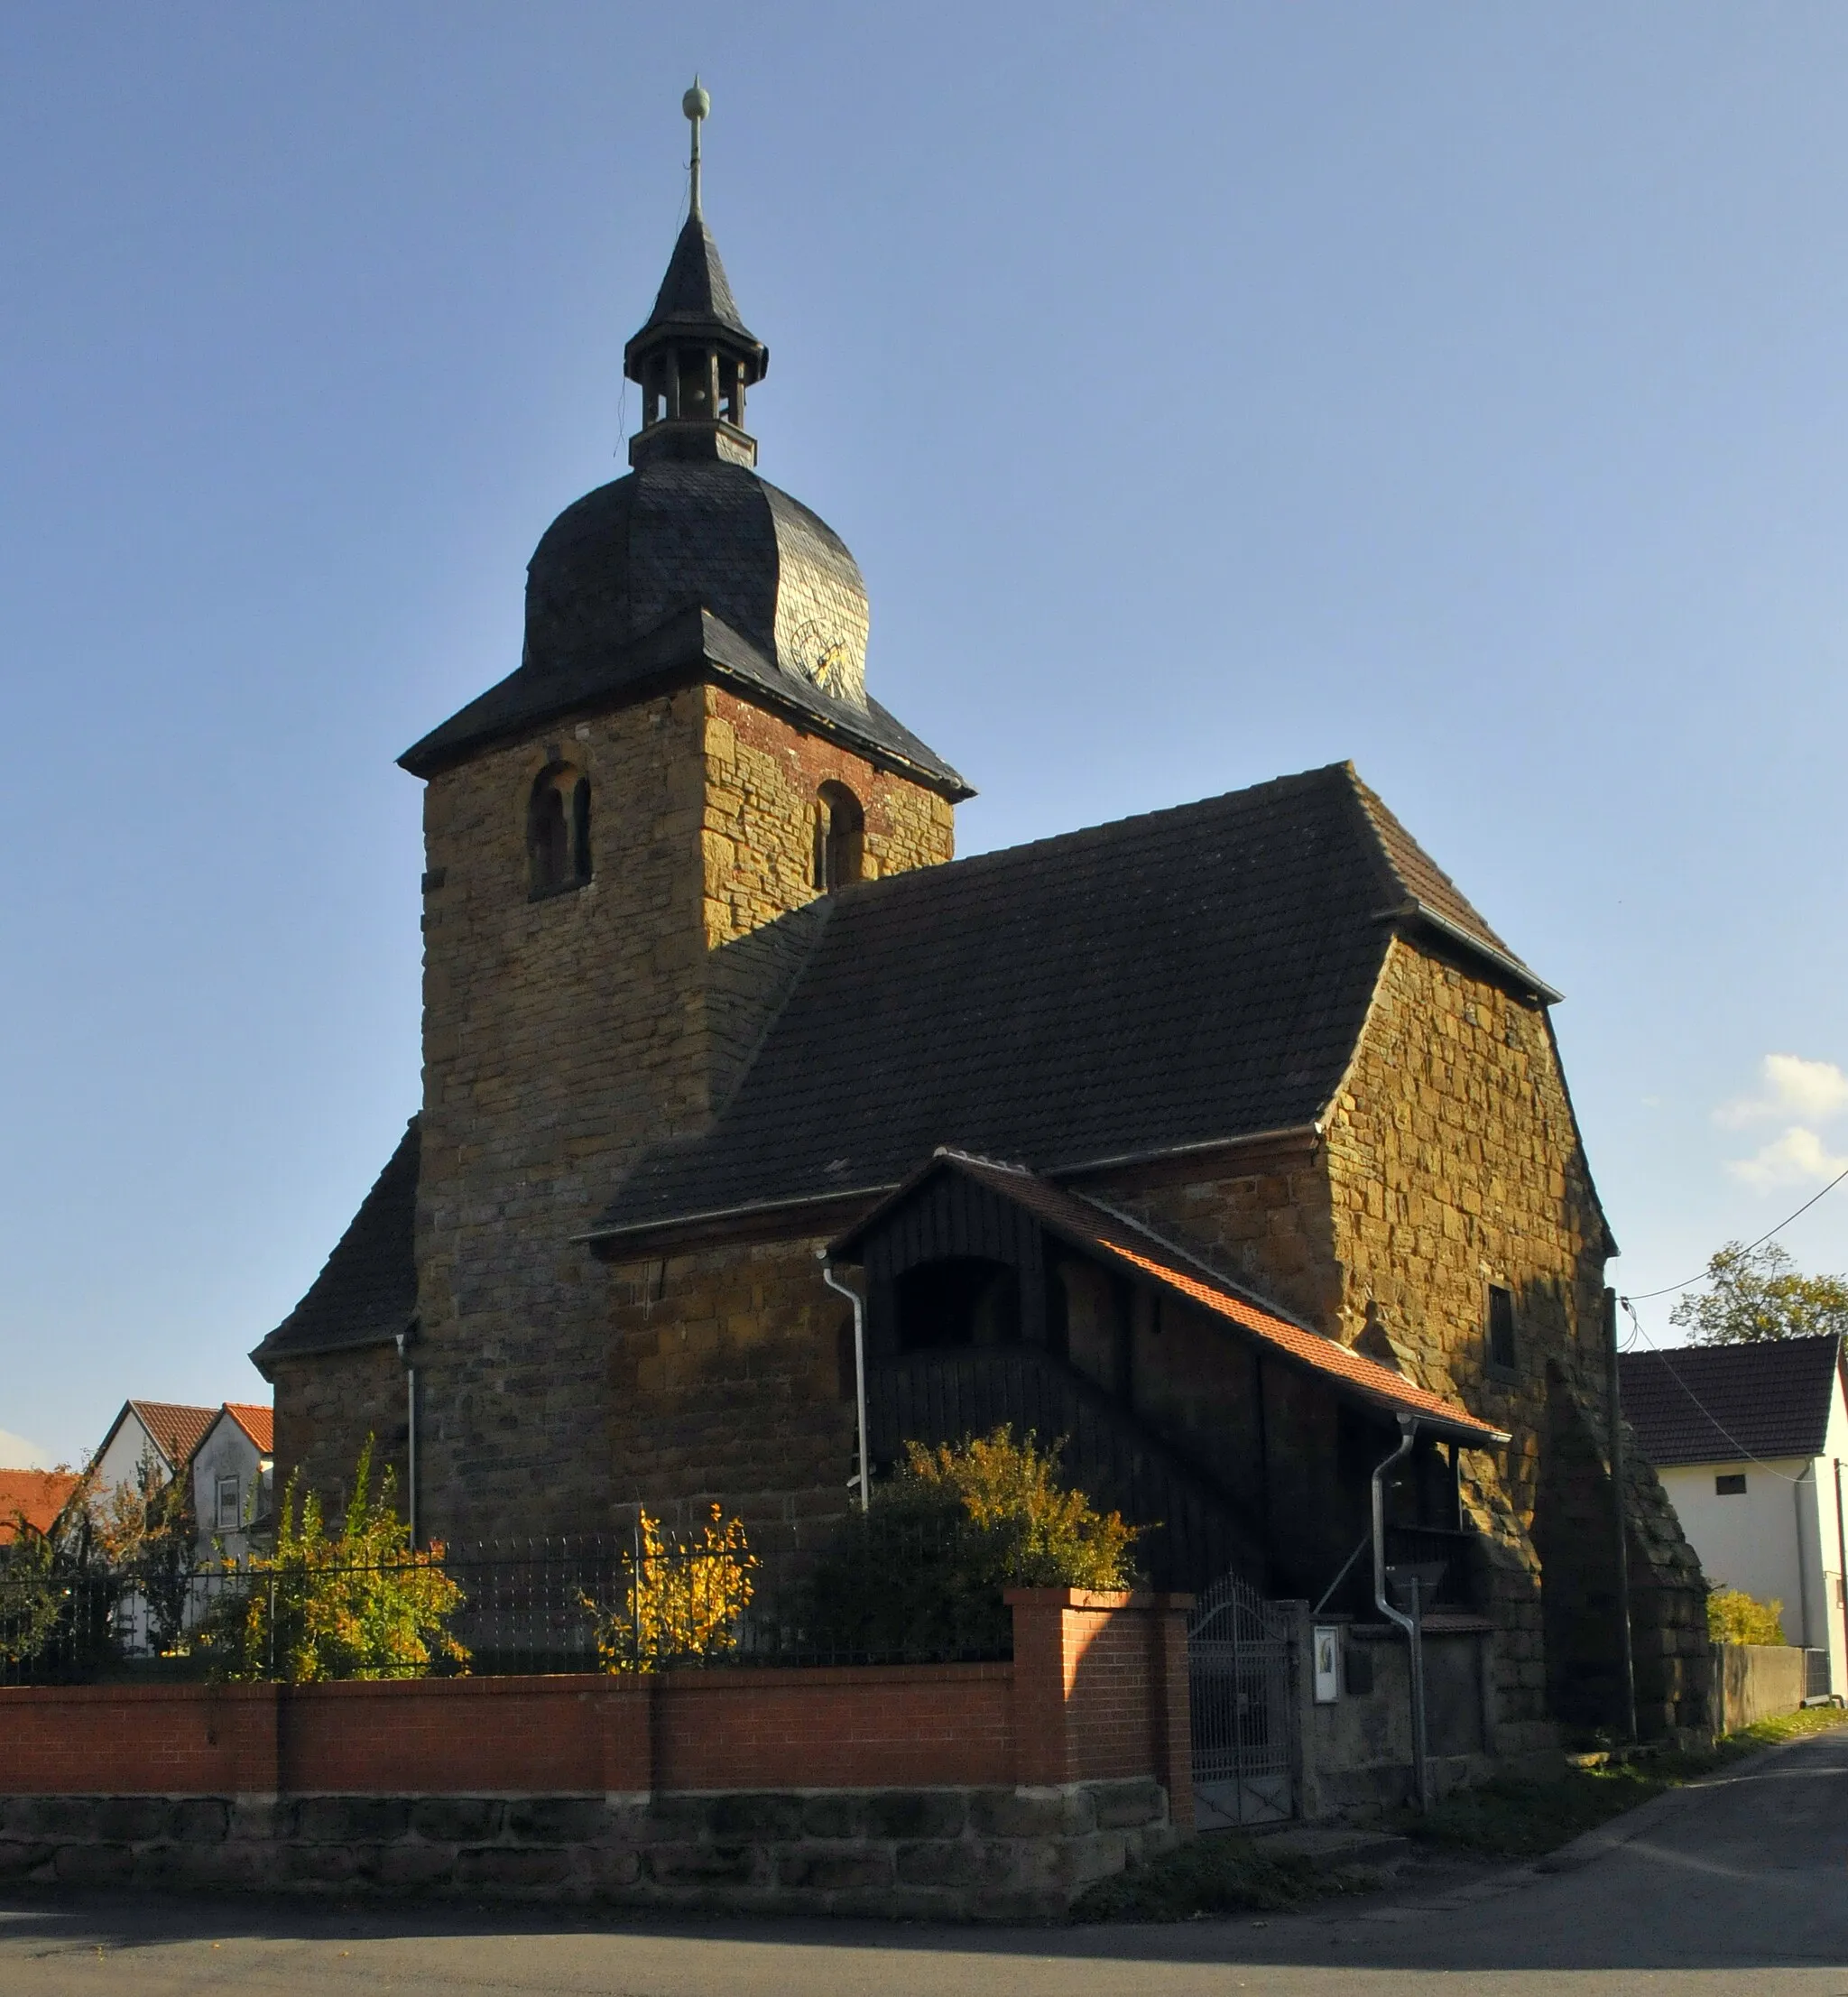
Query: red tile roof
(258, 1423)
(177, 1429)
(36, 1495)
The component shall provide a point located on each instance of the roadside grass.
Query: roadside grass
(1528, 1819)
(1222, 1873)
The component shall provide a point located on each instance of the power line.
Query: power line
(1669, 1368)
(1704, 1277)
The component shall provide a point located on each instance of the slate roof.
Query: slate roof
(37, 1496)
(1117, 1238)
(367, 1292)
(1191, 976)
(695, 298)
(1729, 1403)
(689, 644)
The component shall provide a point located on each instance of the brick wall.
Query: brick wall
(1097, 1691)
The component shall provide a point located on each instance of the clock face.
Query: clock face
(823, 653)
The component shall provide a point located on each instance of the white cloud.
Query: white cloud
(1815, 1090)
(17, 1454)
(1796, 1158)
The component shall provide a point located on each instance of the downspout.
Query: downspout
(404, 1343)
(1613, 1386)
(1841, 1578)
(859, 1304)
(1411, 1624)
(1802, 1557)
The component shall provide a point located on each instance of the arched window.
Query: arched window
(959, 1301)
(558, 830)
(840, 830)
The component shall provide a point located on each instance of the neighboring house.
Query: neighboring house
(1219, 1139)
(227, 1451)
(1750, 1442)
(163, 1433)
(37, 1496)
(233, 1472)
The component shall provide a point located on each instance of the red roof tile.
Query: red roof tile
(258, 1423)
(36, 1495)
(176, 1428)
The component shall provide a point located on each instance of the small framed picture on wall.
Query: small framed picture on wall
(1327, 1652)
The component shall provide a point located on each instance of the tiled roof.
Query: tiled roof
(1195, 976)
(36, 1495)
(366, 1293)
(1729, 1403)
(258, 1423)
(175, 1427)
(1117, 1238)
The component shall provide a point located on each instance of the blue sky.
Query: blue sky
(1207, 392)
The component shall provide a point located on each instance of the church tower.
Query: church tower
(619, 839)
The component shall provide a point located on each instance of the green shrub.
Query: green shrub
(366, 1604)
(922, 1574)
(1735, 1617)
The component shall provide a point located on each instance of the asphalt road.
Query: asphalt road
(1740, 1885)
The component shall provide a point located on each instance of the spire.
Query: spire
(697, 104)
(694, 358)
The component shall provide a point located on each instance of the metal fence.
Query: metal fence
(893, 1590)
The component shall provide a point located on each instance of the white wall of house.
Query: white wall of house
(1778, 1539)
(120, 1463)
(227, 1481)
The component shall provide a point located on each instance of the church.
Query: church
(759, 1134)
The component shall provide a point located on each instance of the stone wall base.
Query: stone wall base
(934, 1853)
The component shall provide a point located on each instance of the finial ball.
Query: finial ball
(697, 104)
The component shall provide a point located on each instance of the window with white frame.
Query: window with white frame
(226, 1508)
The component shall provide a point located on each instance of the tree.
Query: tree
(58, 1596)
(1735, 1617)
(146, 1530)
(1753, 1294)
(363, 1604)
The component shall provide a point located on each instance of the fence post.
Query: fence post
(1301, 1706)
(1171, 1706)
(1041, 1746)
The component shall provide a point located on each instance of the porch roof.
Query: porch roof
(1117, 1238)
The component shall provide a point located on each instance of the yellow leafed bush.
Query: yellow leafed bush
(365, 1605)
(1735, 1617)
(682, 1598)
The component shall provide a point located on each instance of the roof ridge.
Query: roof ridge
(1084, 835)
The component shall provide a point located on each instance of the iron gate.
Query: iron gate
(1242, 1675)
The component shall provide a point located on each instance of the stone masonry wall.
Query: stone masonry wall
(1454, 1162)
(724, 1385)
(326, 1406)
(563, 1034)
(1000, 1853)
